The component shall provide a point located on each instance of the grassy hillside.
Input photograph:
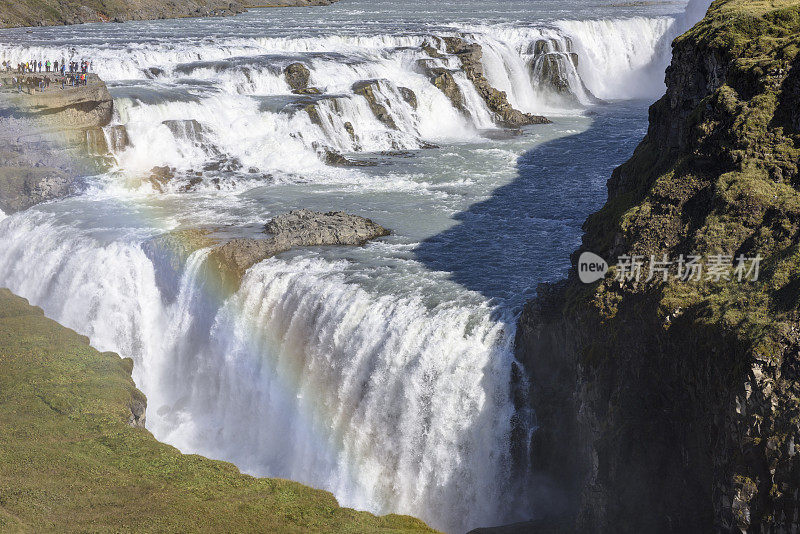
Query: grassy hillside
(15, 13)
(73, 459)
(54, 12)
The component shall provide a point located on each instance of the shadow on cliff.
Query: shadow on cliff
(523, 235)
(525, 232)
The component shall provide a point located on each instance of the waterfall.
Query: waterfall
(393, 405)
(394, 397)
(235, 91)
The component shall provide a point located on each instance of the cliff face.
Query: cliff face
(675, 405)
(46, 139)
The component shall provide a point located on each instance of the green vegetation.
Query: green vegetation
(55, 12)
(729, 183)
(15, 13)
(71, 461)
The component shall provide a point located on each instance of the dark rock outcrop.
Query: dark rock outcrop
(297, 76)
(230, 258)
(470, 56)
(367, 89)
(307, 91)
(335, 159)
(444, 81)
(300, 228)
(118, 138)
(409, 96)
(674, 406)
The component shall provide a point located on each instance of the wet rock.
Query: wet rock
(118, 139)
(313, 114)
(348, 127)
(297, 76)
(300, 228)
(160, 176)
(96, 142)
(191, 185)
(545, 46)
(154, 72)
(23, 187)
(307, 91)
(409, 96)
(444, 81)
(189, 129)
(431, 51)
(367, 89)
(470, 55)
(552, 62)
(335, 159)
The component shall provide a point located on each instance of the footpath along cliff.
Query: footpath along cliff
(674, 406)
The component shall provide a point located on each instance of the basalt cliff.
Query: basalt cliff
(674, 405)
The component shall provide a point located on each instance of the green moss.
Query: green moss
(732, 189)
(69, 462)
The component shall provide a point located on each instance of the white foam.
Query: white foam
(393, 404)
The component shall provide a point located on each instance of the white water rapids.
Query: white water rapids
(377, 373)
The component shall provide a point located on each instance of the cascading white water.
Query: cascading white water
(623, 58)
(237, 90)
(389, 403)
(373, 376)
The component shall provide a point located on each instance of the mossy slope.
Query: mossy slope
(15, 13)
(71, 461)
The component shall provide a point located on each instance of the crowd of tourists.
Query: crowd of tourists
(39, 75)
(29, 67)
